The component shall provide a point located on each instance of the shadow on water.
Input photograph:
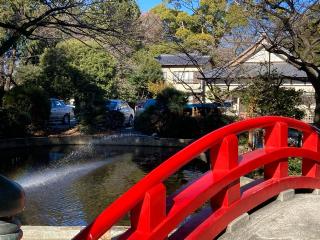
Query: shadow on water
(71, 185)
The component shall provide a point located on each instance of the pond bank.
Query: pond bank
(117, 139)
(63, 233)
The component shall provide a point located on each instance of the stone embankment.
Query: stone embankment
(112, 140)
(63, 233)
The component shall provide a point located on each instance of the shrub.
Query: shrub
(147, 120)
(212, 121)
(13, 123)
(167, 118)
(90, 109)
(294, 166)
(180, 126)
(29, 99)
(115, 119)
(171, 100)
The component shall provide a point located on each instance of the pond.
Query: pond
(71, 185)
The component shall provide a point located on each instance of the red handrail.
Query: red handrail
(146, 201)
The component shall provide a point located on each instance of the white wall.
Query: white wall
(264, 56)
(169, 77)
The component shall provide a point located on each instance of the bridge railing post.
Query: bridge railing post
(151, 211)
(311, 168)
(224, 157)
(275, 137)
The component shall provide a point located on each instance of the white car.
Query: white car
(60, 111)
(124, 108)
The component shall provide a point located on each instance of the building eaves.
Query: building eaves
(183, 60)
(253, 70)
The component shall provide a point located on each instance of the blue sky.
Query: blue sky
(145, 5)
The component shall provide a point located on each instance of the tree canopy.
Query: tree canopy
(106, 21)
(92, 60)
(292, 29)
(203, 26)
(146, 70)
(265, 96)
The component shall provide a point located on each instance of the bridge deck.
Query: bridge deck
(297, 218)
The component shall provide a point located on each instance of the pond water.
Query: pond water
(70, 186)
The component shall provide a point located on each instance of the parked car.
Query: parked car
(123, 107)
(142, 105)
(60, 111)
(203, 108)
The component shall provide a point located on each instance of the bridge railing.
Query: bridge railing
(147, 203)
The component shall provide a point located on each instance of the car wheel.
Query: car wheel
(130, 122)
(66, 119)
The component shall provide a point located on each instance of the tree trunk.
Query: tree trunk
(317, 109)
(1, 96)
(314, 78)
(251, 140)
(2, 89)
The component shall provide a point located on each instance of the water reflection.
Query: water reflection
(72, 185)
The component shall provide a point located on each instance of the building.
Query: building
(183, 71)
(257, 61)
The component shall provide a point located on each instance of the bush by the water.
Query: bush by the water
(168, 119)
(92, 112)
(31, 100)
(115, 119)
(13, 123)
(26, 106)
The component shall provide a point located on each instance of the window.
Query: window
(165, 76)
(58, 104)
(61, 103)
(123, 105)
(308, 118)
(183, 77)
(111, 105)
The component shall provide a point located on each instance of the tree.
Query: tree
(203, 29)
(146, 70)
(164, 47)
(104, 21)
(265, 96)
(292, 29)
(61, 79)
(94, 61)
(152, 28)
(31, 100)
(58, 77)
(27, 27)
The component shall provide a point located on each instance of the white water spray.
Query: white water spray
(48, 176)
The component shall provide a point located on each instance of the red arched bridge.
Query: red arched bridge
(154, 215)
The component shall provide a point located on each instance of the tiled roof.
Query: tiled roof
(251, 70)
(183, 59)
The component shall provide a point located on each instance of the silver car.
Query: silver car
(60, 112)
(124, 108)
